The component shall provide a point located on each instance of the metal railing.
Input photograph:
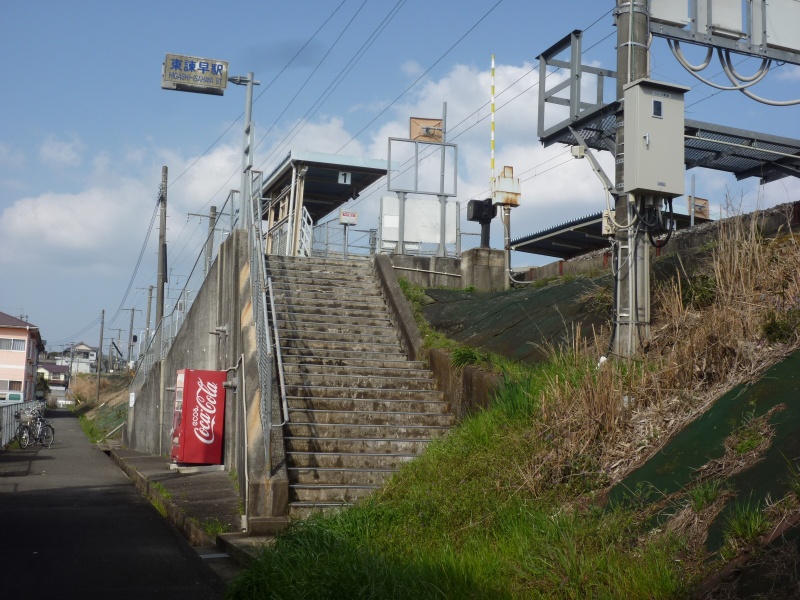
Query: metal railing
(329, 241)
(258, 286)
(281, 378)
(8, 424)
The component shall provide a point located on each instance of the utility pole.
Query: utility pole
(149, 306)
(162, 250)
(212, 223)
(130, 336)
(100, 352)
(633, 255)
(245, 219)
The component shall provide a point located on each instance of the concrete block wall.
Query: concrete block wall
(218, 334)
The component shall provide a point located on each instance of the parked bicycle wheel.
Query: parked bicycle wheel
(48, 435)
(24, 436)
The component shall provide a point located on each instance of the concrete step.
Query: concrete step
(367, 431)
(351, 381)
(340, 355)
(355, 445)
(354, 346)
(329, 304)
(313, 312)
(306, 328)
(299, 282)
(310, 493)
(318, 265)
(378, 319)
(353, 295)
(380, 370)
(356, 393)
(339, 476)
(313, 364)
(357, 460)
(304, 510)
(431, 407)
(367, 417)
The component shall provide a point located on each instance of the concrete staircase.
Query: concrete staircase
(358, 408)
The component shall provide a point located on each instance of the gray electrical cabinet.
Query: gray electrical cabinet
(654, 124)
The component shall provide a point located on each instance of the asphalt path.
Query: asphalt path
(74, 526)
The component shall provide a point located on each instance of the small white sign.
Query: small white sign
(132, 399)
(348, 217)
(345, 178)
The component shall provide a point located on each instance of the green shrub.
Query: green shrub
(781, 326)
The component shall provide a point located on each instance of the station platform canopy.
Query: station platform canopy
(740, 152)
(330, 180)
(580, 236)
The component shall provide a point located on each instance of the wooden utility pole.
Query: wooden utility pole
(162, 250)
(632, 325)
(100, 352)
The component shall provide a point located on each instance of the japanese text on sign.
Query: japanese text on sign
(196, 72)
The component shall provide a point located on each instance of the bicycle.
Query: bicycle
(33, 428)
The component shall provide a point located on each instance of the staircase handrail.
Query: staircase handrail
(260, 312)
(279, 356)
(306, 233)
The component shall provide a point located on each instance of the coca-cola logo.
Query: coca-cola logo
(204, 414)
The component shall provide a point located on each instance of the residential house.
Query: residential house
(55, 375)
(80, 358)
(20, 345)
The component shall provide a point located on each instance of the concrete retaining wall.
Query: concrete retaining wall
(465, 389)
(218, 334)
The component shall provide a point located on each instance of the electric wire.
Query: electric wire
(418, 79)
(337, 80)
(263, 91)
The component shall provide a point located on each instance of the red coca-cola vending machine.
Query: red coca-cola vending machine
(199, 418)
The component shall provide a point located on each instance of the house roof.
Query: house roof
(8, 321)
(55, 368)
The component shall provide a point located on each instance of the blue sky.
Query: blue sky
(86, 127)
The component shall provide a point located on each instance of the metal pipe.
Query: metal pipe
(426, 271)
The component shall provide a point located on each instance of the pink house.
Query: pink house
(20, 345)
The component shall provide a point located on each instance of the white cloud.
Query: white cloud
(56, 153)
(411, 69)
(789, 73)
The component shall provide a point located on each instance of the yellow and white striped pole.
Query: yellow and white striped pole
(492, 154)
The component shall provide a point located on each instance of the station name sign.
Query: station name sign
(194, 74)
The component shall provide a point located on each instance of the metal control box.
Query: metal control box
(654, 144)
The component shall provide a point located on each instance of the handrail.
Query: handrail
(257, 284)
(284, 401)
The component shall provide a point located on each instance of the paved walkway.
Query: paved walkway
(73, 526)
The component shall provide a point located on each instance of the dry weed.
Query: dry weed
(617, 415)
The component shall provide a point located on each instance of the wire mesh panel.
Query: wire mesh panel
(178, 302)
(329, 238)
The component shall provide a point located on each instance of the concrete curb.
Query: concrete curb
(194, 534)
